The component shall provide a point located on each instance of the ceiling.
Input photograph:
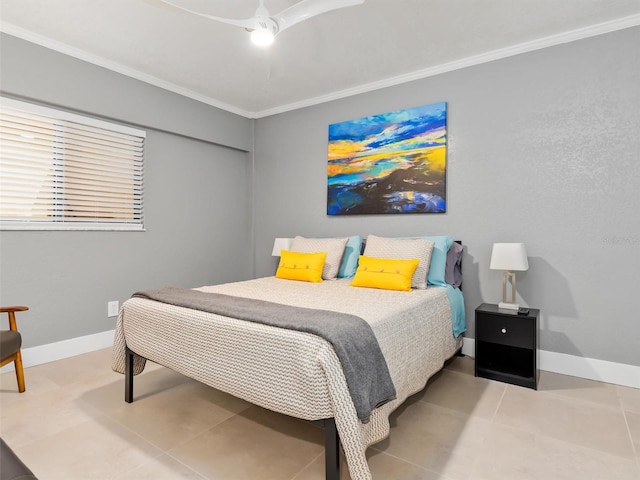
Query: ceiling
(333, 55)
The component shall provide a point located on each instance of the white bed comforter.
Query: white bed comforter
(291, 372)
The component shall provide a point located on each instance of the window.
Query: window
(61, 171)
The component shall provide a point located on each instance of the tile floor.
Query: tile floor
(72, 423)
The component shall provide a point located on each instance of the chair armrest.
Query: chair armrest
(13, 309)
(12, 315)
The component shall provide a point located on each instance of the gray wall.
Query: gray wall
(544, 148)
(198, 177)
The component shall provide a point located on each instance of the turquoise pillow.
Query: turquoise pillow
(349, 263)
(438, 265)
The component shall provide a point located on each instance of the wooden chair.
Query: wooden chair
(10, 343)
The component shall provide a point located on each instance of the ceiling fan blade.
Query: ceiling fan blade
(309, 8)
(245, 23)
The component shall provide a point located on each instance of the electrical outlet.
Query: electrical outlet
(112, 308)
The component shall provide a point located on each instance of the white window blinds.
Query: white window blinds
(62, 171)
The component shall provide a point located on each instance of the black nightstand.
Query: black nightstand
(507, 345)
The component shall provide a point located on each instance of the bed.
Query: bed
(294, 372)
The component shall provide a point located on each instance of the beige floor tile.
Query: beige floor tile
(64, 427)
(108, 397)
(579, 389)
(35, 385)
(464, 393)
(382, 465)
(464, 364)
(514, 454)
(581, 422)
(98, 449)
(255, 444)
(162, 468)
(438, 439)
(629, 398)
(33, 418)
(177, 415)
(633, 422)
(100, 382)
(75, 369)
(316, 470)
(76, 374)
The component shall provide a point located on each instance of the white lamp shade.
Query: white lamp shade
(509, 256)
(281, 244)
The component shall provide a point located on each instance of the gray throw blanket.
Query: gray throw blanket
(364, 366)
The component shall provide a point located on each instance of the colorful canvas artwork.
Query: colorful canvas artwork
(389, 163)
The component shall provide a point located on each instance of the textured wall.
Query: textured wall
(544, 148)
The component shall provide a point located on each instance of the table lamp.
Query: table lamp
(509, 257)
(280, 244)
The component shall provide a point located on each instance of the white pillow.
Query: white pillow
(333, 246)
(403, 249)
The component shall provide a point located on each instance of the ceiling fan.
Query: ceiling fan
(264, 27)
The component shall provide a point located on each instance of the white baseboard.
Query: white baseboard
(64, 349)
(469, 347)
(590, 368)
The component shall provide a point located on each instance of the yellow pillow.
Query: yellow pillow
(301, 266)
(385, 273)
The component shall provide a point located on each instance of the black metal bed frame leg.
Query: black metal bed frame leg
(331, 450)
(128, 376)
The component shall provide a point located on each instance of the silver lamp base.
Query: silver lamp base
(508, 306)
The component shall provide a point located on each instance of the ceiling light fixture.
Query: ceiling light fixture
(264, 27)
(262, 38)
(265, 32)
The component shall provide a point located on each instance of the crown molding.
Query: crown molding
(565, 37)
(550, 41)
(117, 67)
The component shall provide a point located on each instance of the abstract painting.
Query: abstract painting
(389, 163)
